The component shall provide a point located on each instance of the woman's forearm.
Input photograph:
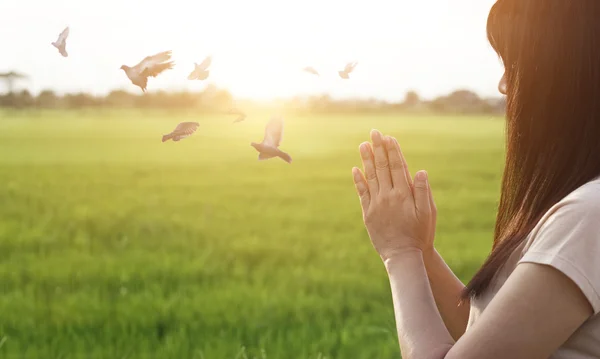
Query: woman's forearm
(421, 331)
(447, 288)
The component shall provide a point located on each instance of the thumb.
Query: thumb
(421, 194)
(362, 189)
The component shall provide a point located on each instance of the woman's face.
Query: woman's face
(502, 84)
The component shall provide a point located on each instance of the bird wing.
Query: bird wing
(62, 37)
(186, 128)
(150, 61)
(311, 70)
(274, 132)
(235, 111)
(263, 156)
(194, 74)
(206, 63)
(350, 67)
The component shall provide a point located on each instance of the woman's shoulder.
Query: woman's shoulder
(568, 239)
(581, 205)
(577, 213)
(584, 198)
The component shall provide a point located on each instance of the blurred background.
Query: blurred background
(115, 245)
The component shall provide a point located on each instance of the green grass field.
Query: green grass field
(115, 245)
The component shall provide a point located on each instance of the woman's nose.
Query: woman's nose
(502, 85)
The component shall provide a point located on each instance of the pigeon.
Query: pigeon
(269, 147)
(200, 71)
(61, 42)
(311, 70)
(347, 70)
(149, 66)
(183, 130)
(234, 111)
(240, 118)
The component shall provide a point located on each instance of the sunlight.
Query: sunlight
(259, 48)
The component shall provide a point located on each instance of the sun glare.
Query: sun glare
(259, 47)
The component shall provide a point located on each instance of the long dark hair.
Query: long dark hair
(551, 54)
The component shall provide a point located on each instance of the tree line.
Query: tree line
(213, 98)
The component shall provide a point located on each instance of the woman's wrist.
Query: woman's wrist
(397, 258)
(429, 255)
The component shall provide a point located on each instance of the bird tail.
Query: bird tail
(166, 137)
(285, 156)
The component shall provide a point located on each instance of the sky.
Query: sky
(258, 47)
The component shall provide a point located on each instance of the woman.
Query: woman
(537, 294)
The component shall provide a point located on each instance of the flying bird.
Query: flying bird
(311, 70)
(201, 71)
(240, 118)
(183, 130)
(347, 70)
(61, 42)
(234, 111)
(149, 66)
(269, 147)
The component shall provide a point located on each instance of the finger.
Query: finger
(398, 169)
(406, 171)
(421, 193)
(432, 205)
(382, 166)
(366, 153)
(362, 188)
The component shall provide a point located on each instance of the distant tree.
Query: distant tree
(460, 101)
(47, 99)
(320, 103)
(464, 97)
(120, 98)
(182, 99)
(24, 99)
(80, 100)
(438, 104)
(222, 99)
(411, 99)
(10, 78)
(206, 97)
(148, 100)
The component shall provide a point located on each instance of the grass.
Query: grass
(115, 245)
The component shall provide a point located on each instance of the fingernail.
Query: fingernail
(421, 176)
(376, 137)
(364, 150)
(389, 142)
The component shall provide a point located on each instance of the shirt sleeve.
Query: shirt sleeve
(569, 241)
